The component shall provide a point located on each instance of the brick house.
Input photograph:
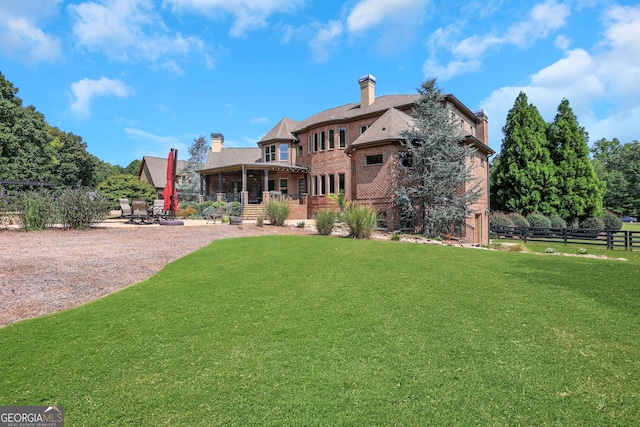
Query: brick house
(352, 148)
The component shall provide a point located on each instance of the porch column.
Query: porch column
(220, 185)
(265, 187)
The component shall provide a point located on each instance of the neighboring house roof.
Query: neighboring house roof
(388, 127)
(349, 111)
(282, 131)
(156, 168)
(232, 156)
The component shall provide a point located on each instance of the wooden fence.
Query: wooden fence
(609, 238)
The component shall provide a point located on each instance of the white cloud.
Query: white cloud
(543, 19)
(128, 29)
(324, 40)
(432, 69)
(395, 21)
(601, 86)
(87, 89)
(249, 14)
(20, 35)
(149, 144)
(260, 121)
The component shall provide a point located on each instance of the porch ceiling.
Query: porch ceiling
(272, 166)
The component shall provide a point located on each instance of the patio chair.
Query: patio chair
(140, 213)
(212, 213)
(125, 209)
(157, 210)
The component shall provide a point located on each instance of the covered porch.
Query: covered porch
(254, 185)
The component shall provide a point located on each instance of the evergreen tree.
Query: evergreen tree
(436, 186)
(189, 189)
(579, 189)
(523, 179)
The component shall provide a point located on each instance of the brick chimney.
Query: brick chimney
(482, 129)
(367, 90)
(217, 139)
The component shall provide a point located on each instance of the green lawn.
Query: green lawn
(293, 330)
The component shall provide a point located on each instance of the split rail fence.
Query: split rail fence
(624, 239)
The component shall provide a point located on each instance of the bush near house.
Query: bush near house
(500, 219)
(325, 218)
(278, 211)
(518, 220)
(557, 221)
(538, 220)
(592, 223)
(611, 221)
(361, 220)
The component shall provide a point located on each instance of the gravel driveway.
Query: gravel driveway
(46, 271)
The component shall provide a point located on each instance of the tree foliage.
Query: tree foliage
(436, 186)
(32, 150)
(579, 190)
(523, 177)
(189, 188)
(618, 166)
(126, 187)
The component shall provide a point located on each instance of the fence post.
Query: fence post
(564, 235)
(609, 239)
(524, 235)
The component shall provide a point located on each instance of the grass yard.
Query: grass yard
(293, 330)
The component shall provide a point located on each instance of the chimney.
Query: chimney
(482, 129)
(217, 139)
(367, 90)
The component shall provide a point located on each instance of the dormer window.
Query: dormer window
(270, 153)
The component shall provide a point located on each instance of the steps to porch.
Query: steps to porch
(252, 212)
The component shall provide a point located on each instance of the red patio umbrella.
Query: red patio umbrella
(169, 193)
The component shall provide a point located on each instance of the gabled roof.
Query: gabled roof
(157, 167)
(283, 131)
(350, 111)
(388, 127)
(232, 156)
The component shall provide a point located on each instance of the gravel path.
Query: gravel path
(47, 271)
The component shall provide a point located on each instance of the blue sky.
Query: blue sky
(137, 77)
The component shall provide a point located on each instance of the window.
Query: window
(343, 137)
(270, 153)
(314, 190)
(323, 185)
(284, 152)
(271, 185)
(322, 141)
(341, 186)
(363, 129)
(331, 139)
(283, 186)
(332, 184)
(315, 142)
(375, 159)
(308, 143)
(299, 151)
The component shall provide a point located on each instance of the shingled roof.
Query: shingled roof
(283, 131)
(157, 169)
(349, 111)
(388, 127)
(232, 156)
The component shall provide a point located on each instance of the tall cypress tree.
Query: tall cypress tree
(523, 180)
(436, 187)
(579, 189)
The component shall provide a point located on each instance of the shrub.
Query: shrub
(611, 222)
(126, 187)
(361, 220)
(324, 221)
(186, 212)
(260, 220)
(234, 208)
(300, 224)
(278, 211)
(550, 251)
(592, 223)
(35, 209)
(582, 251)
(557, 221)
(518, 220)
(500, 219)
(80, 208)
(538, 220)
